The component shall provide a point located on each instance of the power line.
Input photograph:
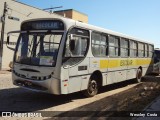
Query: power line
(26, 15)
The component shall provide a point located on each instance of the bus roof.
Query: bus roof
(72, 22)
(110, 32)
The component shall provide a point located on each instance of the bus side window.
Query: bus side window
(103, 46)
(133, 49)
(151, 50)
(99, 44)
(146, 50)
(96, 40)
(77, 43)
(113, 46)
(79, 46)
(124, 47)
(140, 50)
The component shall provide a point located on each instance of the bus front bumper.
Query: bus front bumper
(48, 86)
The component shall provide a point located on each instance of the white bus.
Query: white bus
(62, 56)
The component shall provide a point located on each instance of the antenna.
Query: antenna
(52, 8)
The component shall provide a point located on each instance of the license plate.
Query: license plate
(28, 83)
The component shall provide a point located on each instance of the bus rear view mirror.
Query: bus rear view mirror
(8, 41)
(10, 34)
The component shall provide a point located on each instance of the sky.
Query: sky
(137, 18)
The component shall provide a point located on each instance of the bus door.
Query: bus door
(76, 48)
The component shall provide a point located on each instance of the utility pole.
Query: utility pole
(2, 33)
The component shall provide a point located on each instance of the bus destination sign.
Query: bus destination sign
(43, 25)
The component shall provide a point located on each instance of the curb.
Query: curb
(5, 72)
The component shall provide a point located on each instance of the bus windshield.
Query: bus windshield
(40, 49)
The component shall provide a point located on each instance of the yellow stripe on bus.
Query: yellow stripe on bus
(103, 64)
(144, 62)
(121, 63)
(113, 63)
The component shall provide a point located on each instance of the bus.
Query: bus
(62, 56)
(156, 66)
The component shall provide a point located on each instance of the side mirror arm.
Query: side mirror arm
(7, 43)
(8, 37)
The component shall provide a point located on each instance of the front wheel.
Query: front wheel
(139, 75)
(92, 89)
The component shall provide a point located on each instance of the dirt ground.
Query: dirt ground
(113, 101)
(119, 106)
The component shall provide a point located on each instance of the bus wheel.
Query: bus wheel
(92, 89)
(139, 75)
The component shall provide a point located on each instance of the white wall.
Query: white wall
(23, 12)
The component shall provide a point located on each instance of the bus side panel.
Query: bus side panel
(64, 80)
(116, 72)
(145, 65)
(78, 76)
(132, 68)
(74, 84)
(110, 78)
(99, 64)
(85, 81)
(123, 64)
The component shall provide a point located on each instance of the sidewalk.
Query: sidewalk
(4, 71)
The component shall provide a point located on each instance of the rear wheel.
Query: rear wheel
(92, 89)
(139, 75)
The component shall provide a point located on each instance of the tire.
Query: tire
(139, 75)
(92, 89)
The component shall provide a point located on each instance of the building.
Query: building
(73, 14)
(15, 14)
